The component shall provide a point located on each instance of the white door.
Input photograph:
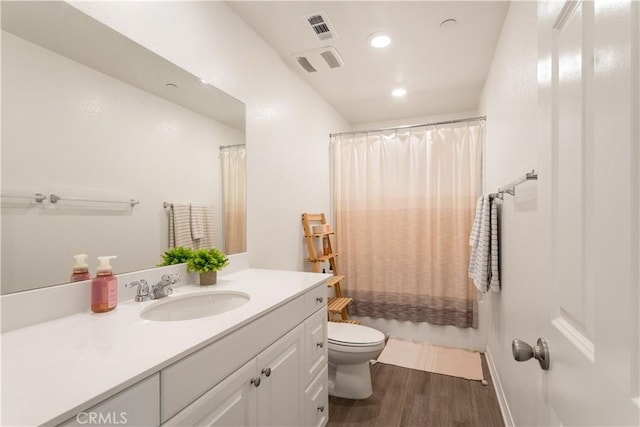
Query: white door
(588, 177)
(281, 393)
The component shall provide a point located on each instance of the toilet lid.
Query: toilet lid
(348, 334)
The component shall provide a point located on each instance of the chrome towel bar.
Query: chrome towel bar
(511, 187)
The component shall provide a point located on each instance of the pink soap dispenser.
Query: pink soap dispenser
(104, 287)
(80, 268)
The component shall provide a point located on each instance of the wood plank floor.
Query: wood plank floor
(408, 397)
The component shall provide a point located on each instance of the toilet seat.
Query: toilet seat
(350, 335)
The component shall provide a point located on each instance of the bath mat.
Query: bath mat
(432, 358)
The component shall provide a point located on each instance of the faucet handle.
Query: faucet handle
(142, 293)
(169, 279)
(141, 284)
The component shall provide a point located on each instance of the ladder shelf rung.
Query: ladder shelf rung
(322, 258)
(328, 233)
(336, 305)
(353, 322)
(335, 279)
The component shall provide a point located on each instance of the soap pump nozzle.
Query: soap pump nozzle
(80, 268)
(81, 262)
(103, 264)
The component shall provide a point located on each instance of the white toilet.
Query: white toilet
(350, 349)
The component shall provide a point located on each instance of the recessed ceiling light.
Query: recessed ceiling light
(379, 40)
(171, 85)
(399, 92)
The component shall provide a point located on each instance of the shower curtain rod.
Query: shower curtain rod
(446, 122)
(222, 147)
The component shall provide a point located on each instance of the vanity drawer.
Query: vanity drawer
(316, 399)
(139, 405)
(186, 380)
(315, 299)
(315, 342)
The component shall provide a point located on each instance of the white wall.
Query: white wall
(70, 130)
(414, 120)
(509, 101)
(288, 124)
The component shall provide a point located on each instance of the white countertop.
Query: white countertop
(52, 370)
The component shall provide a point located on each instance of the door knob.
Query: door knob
(255, 381)
(266, 371)
(523, 351)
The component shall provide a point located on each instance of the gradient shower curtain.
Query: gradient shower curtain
(404, 202)
(233, 167)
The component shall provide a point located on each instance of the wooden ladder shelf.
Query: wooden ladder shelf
(337, 305)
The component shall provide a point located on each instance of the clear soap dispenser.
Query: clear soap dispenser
(104, 287)
(80, 268)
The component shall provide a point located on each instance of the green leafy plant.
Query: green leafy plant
(203, 260)
(176, 255)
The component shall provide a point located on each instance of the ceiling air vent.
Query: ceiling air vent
(332, 60)
(320, 26)
(304, 63)
(321, 59)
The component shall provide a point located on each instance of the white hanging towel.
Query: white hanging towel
(197, 221)
(203, 227)
(180, 226)
(483, 264)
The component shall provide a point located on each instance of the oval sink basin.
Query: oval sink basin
(195, 306)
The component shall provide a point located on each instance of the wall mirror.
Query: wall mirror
(91, 116)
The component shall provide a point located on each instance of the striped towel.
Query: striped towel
(483, 264)
(197, 221)
(203, 227)
(186, 221)
(180, 226)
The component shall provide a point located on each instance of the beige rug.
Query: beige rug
(431, 358)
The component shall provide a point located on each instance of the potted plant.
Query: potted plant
(207, 262)
(177, 255)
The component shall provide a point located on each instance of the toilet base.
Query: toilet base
(350, 381)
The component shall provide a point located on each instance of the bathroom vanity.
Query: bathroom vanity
(262, 363)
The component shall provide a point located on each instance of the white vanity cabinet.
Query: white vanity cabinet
(282, 385)
(265, 391)
(261, 364)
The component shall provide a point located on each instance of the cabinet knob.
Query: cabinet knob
(321, 408)
(266, 372)
(255, 381)
(319, 299)
(320, 344)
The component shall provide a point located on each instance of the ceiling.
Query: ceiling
(443, 68)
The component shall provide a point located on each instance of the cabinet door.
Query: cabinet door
(315, 346)
(139, 405)
(233, 402)
(316, 405)
(280, 395)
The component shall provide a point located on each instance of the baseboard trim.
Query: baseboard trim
(497, 385)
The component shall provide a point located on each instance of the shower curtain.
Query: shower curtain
(233, 167)
(404, 202)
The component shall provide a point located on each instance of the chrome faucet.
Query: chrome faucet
(163, 287)
(159, 290)
(143, 293)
